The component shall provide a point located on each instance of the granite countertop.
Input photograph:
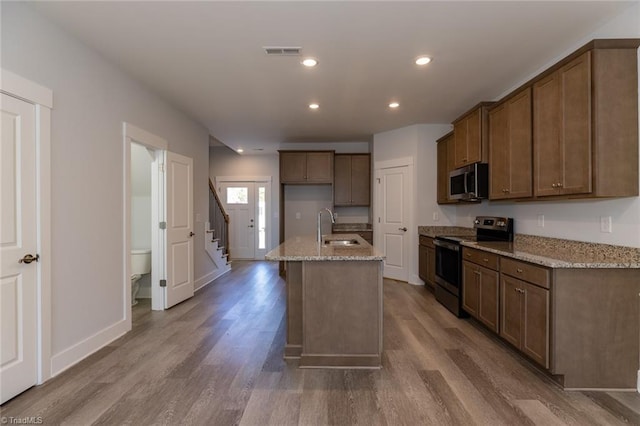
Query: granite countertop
(557, 253)
(306, 248)
(434, 231)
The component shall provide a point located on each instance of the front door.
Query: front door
(18, 241)
(179, 223)
(238, 199)
(393, 184)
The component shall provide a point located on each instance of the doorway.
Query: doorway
(393, 226)
(170, 225)
(247, 201)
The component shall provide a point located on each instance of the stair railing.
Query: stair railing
(219, 220)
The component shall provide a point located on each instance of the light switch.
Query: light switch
(298, 215)
(436, 216)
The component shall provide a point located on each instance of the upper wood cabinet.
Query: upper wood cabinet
(306, 167)
(470, 136)
(585, 123)
(510, 148)
(445, 165)
(352, 180)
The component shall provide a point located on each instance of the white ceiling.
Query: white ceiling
(206, 58)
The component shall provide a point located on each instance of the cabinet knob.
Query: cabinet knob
(553, 185)
(559, 185)
(518, 270)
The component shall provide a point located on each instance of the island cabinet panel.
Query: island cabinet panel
(293, 346)
(352, 180)
(510, 148)
(342, 314)
(470, 136)
(302, 167)
(445, 165)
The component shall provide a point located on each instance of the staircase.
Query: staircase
(216, 241)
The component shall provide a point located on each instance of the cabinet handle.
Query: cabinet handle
(485, 260)
(518, 270)
(468, 254)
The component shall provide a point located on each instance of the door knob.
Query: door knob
(28, 258)
(404, 229)
(191, 234)
(250, 226)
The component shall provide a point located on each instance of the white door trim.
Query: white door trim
(135, 134)
(397, 162)
(42, 97)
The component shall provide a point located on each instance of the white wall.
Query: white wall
(574, 220)
(91, 100)
(306, 201)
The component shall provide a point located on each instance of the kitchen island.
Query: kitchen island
(334, 301)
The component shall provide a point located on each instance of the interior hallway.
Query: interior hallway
(216, 359)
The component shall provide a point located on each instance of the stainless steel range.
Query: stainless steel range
(449, 258)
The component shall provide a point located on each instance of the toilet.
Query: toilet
(140, 265)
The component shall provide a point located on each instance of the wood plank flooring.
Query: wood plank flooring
(216, 359)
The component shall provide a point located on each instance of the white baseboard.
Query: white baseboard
(415, 280)
(76, 353)
(200, 283)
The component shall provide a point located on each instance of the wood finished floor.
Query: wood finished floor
(216, 359)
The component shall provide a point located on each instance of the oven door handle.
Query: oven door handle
(446, 245)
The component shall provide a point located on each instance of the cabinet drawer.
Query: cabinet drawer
(426, 241)
(537, 275)
(488, 260)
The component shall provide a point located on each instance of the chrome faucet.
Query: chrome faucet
(333, 220)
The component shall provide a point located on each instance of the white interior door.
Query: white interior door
(238, 199)
(394, 217)
(18, 238)
(179, 235)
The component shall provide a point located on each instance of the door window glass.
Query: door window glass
(237, 195)
(262, 218)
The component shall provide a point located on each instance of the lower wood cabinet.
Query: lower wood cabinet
(480, 294)
(524, 318)
(427, 261)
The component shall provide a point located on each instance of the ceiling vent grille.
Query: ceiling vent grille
(282, 51)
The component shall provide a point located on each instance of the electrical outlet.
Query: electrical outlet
(605, 224)
(541, 221)
(436, 216)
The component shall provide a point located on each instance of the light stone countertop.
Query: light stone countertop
(306, 248)
(558, 253)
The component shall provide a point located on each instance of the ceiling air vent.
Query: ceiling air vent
(282, 51)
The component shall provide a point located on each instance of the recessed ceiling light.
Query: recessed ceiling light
(394, 105)
(239, 150)
(314, 106)
(423, 60)
(310, 62)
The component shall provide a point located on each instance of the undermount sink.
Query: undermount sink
(342, 243)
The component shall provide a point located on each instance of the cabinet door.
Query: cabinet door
(520, 146)
(535, 323)
(342, 180)
(460, 143)
(293, 167)
(488, 304)
(471, 288)
(445, 165)
(422, 263)
(319, 167)
(576, 125)
(510, 311)
(474, 137)
(546, 130)
(499, 153)
(360, 180)
(431, 265)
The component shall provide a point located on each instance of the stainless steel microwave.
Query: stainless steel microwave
(470, 183)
